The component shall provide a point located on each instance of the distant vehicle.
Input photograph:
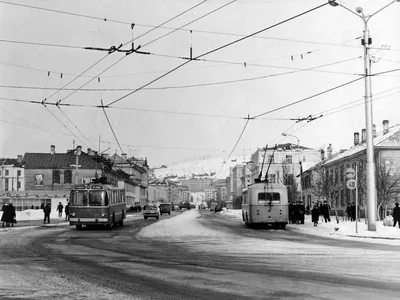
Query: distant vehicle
(151, 210)
(213, 205)
(184, 205)
(265, 203)
(218, 208)
(165, 208)
(96, 204)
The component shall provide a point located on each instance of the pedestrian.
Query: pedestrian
(396, 215)
(300, 212)
(47, 211)
(67, 211)
(4, 209)
(353, 212)
(315, 214)
(325, 211)
(12, 215)
(60, 209)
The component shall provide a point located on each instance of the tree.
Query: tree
(387, 184)
(323, 186)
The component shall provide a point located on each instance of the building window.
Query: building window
(7, 172)
(68, 176)
(38, 179)
(270, 159)
(289, 159)
(56, 176)
(6, 184)
(19, 173)
(18, 184)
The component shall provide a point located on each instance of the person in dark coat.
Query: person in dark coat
(300, 212)
(67, 211)
(315, 214)
(5, 218)
(353, 212)
(396, 215)
(11, 214)
(60, 209)
(294, 213)
(47, 211)
(325, 211)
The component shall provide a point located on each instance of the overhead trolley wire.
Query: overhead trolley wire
(217, 49)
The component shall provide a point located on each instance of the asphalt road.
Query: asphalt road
(242, 263)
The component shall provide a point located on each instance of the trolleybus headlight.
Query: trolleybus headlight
(73, 214)
(104, 215)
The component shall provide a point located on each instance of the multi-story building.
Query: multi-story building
(186, 194)
(210, 194)
(158, 192)
(241, 178)
(284, 162)
(197, 185)
(12, 174)
(48, 177)
(387, 162)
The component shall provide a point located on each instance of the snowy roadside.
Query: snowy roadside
(343, 230)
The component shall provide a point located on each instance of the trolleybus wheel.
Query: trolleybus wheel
(145, 218)
(78, 227)
(121, 223)
(157, 218)
(283, 225)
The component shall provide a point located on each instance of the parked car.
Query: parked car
(151, 210)
(165, 208)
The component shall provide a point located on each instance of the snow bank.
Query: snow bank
(345, 229)
(185, 224)
(30, 214)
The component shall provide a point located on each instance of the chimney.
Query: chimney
(52, 149)
(19, 158)
(329, 150)
(356, 138)
(363, 135)
(385, 124)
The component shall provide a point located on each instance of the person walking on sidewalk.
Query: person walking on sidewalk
(396, 215)
(67, 211)
(47, 211)
(325, 211)
(60, 209)
(8, 216)
(315, 214)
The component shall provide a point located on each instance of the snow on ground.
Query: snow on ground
(37, 214)
(182, 225)
(344, 229)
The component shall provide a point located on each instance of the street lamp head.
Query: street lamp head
(334, 3)
(284, 134)
(359, 10)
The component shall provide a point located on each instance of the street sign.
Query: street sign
(350, 173)
(351, 184)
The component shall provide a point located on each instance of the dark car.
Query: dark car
(165, 208)
(218, 208)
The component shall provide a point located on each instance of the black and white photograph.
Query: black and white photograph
(200, 149)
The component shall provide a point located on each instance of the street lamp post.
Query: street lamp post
(366, 41)
(77, 153)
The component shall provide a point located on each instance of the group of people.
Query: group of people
(136, 208)
(297, 212)
(320, 210)
(8, 217)
(351, 212)
(60, 207)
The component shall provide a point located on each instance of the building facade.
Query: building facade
(12, 174)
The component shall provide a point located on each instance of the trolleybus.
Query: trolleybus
(96, 204)
(265, 203)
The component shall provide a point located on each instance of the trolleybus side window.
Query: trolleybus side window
(267, 197)
(79, 198)
(98, 198)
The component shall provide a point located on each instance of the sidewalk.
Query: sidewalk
(34, 218)
(347, 229)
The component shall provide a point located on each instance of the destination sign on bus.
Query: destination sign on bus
(96, 187)
(80, 187)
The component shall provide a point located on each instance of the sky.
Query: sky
(183, 122)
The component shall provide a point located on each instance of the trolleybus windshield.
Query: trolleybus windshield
(79, 198)
(267, 197)
(98, 198)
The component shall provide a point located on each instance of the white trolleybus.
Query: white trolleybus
(265, 203)
(96, 204)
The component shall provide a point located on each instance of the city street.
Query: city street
(213, 257)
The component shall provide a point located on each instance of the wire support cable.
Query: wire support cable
(217, 49)
(109, 123)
